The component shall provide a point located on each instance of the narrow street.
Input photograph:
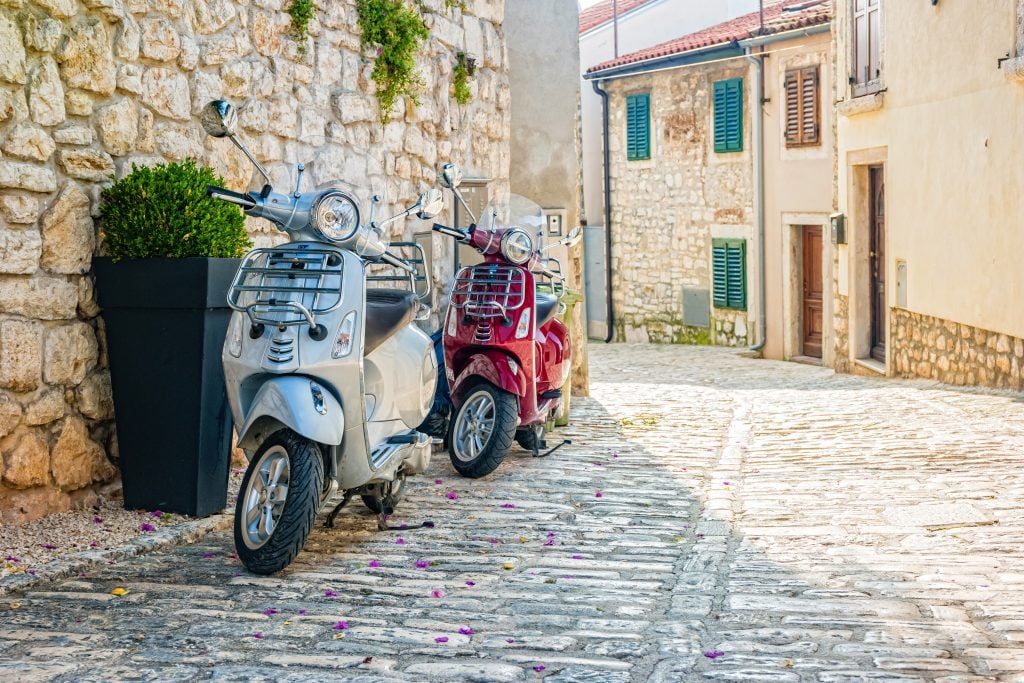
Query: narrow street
(716, 517)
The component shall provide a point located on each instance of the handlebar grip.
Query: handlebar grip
(393, 260)
(458, 234)
(242, 200)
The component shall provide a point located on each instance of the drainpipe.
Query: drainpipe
(607, 210)
(758, 63)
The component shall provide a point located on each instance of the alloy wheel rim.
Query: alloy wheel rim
(264, 497)
(474, 427)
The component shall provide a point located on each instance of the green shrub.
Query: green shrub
(396, 30)
(164, 212)
(460, 81)
(301, 12)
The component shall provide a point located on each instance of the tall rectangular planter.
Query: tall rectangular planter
(165, 323)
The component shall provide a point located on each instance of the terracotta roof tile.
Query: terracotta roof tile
(598, 14)
(784, 15)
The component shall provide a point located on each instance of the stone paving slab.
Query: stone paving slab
(716, 518)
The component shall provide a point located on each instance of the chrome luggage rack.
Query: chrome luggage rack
(287, 285)
(418, 281)
(488, 290)
(545, 282)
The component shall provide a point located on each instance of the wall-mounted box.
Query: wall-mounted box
(838, 222)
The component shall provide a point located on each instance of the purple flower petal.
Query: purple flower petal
(270, 610)
(373, 563)
(257, 636)
(146, 528)
(12, 558)
(451, 495)
(495, 541)
(206, 556)
(422, 564)
(400, 541)
(437, 593)
(550, 541)
(508, 506)
(48, 546)
(714, 654)
(439, 481)
(466, 631)
(341, 625)
(577, 557)
(302, 611)
(598, 495)
(330, 594)
(509, 640)
(441, 639)
(471, 583)
(156, 513)
(97, 520)
(539, 668)
(94, 544)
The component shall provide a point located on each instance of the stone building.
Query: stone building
(684, 204)
(930, 185)
(90, 87)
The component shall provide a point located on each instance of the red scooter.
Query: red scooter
(506, 355)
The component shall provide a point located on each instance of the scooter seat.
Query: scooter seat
(387, 311)
(547, 307)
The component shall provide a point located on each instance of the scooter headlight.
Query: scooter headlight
(517, 246)
(335, 216)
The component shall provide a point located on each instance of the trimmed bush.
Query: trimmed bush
(163, 211)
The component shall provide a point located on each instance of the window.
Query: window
(729, 115)
(867, 47)
(729, 266)
(638, 127)
(803, 113)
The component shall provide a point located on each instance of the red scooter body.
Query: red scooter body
(480, 339)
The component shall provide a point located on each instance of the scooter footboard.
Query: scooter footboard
(298, 403)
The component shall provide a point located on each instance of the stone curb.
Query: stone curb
(178, 534)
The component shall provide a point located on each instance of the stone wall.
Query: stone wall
(90, 87)
(666, 211)
(954, 353)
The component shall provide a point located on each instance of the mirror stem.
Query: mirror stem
(458, 195)
(245, 150)
(298, 179)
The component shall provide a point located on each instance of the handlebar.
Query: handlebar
(242, 200)
(461, 235)
(393, 260)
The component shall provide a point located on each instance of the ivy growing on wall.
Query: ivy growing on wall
(396, 31)
(454, 4)
(301, 12)
(460, 80)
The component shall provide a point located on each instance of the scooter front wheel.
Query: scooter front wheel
(482, 431)
(278, 502)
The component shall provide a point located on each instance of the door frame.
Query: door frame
(858, 252)
(793, 288)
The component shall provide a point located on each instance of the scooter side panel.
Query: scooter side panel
(299, 403)
(493, 366)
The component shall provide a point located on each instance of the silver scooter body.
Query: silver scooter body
(361, 410)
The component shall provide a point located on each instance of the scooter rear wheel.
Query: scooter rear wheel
(482, 431)
(278, 502)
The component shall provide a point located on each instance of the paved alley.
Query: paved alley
(716, 517)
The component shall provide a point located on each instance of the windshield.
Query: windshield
(515, 211)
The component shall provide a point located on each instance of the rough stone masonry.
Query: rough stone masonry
(90, 87)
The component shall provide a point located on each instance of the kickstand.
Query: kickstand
(382, 525)
(334, 513)
(544, 455)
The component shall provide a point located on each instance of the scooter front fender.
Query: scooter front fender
(494, 366)
(299, 403)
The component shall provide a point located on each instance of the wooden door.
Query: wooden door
(879, 310)
(813, 294)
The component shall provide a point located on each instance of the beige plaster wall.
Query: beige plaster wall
(798, 191)
(949, 132)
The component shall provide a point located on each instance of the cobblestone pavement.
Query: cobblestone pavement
(715, 518)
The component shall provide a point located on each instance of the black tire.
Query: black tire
(530, 437)
(505, 414)
(305, 472)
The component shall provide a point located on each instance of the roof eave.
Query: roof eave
(814, 30)
(704, 54)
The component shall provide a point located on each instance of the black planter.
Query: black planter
(165, 324)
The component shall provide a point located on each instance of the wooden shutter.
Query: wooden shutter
(803, 110)
(638, 126)
(867, 46)
(728, 115)
(729, 273)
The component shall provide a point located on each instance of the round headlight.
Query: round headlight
(517, 246)
(335, 217)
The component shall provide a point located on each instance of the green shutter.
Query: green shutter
(638, 127)
(729, 273)
(728, 115)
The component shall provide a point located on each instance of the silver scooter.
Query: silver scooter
(327, 378)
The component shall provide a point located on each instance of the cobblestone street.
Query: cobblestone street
(715, 518)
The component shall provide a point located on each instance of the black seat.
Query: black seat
(387, 311)
(547, 307)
